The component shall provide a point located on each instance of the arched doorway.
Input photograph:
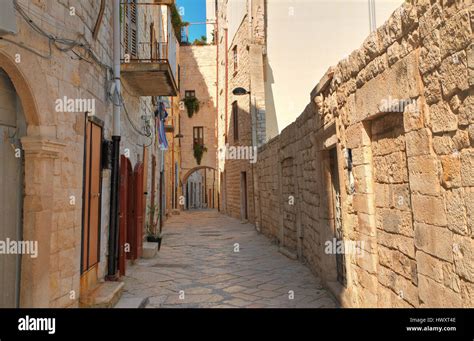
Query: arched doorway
(37, 155)
(200, 188)
(12, 129)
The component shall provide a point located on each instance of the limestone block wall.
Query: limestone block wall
(383, 157)
(49, 217)
(222, 93)
(241, 65)
(172, 156)
(239, 76)
(54, 145)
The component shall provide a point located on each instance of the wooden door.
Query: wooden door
(152, 190)
(125, 170)
(92, 196)
(337, 207)
(131, 235)
(243, 196)
(139, 208)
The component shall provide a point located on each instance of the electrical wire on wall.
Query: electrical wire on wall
(23, 46)
(61, 44)
(69, 45)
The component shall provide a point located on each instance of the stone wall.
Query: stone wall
(198, 73)
(386, 148)
(54, 146)
(241, 65)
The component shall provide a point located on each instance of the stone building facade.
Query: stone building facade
(381, 164)
(199, 79)
(65, 53)
(241, 119)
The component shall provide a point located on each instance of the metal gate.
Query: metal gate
(12, 127)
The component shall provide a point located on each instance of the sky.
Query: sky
(305, 38)
(193, 11)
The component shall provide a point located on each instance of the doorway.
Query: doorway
(91, 200)
(12, 128)
(243, 196)
(337, 209)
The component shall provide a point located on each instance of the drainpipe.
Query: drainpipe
(114, 185)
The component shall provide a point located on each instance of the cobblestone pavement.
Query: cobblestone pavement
(198, 259)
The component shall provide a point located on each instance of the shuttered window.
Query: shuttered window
(130, 28)
(198, 135)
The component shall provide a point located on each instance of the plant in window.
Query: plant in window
(192, 105)
(199, 150)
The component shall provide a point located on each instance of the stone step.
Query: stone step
(287, 253)
(149, 250)
(105, 295)
(132, 302)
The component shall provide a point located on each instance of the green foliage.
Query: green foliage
(177, 22)
(192, 105)
(199, 150)
(201, 41)
(152, 227)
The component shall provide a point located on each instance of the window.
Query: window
(189, 93)
(235, 58)
(235, 120)
(130, 34)
(153, 43)
(198, 136)
(179, 76)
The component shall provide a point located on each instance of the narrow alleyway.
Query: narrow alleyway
(198, 267)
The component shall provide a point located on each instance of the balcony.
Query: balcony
(153, 76)
(165, 2)
(149, 68)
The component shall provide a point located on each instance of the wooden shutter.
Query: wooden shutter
(133, 28)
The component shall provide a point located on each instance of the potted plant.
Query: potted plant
(153, 237)
(199, 150)
(192, 105)
(152, 233)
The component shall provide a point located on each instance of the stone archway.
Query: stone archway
(192, 170)
(22, 88)
(39, 153)
(210, 194)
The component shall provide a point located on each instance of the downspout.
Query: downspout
(226, 106)
(216, 41)
(162, 206)
(114, 185)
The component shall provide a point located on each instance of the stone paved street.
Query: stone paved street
(197, 258)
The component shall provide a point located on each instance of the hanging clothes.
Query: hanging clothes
(160, 117)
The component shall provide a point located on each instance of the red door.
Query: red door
(125, 171)
(131, 235)
(139, 208)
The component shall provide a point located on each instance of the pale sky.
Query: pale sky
(306, 37)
